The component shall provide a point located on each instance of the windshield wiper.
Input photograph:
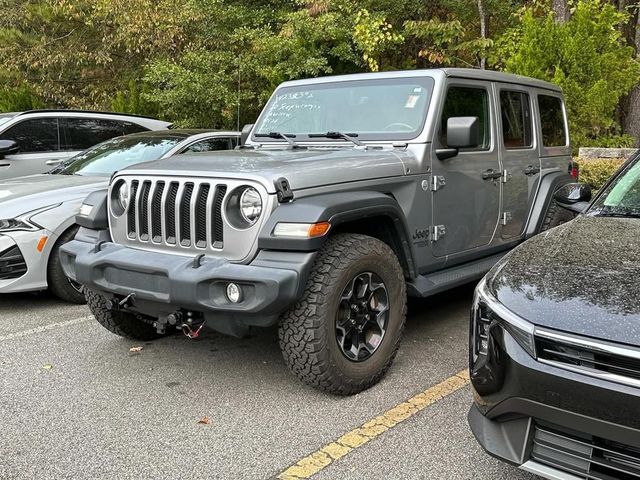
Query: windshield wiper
(350, 137)
(285, 136)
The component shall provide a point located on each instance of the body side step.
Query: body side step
(427, 285)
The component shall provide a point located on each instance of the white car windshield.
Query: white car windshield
(377, 109)
(118, 153)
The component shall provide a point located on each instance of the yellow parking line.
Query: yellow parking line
(325, 456)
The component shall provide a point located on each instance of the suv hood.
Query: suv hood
(25, 194)
(304, 168)
(581, 277)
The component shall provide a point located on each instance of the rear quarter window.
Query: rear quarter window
(552, 124)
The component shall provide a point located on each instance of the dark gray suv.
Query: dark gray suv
(350, 193)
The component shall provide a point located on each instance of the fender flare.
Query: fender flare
(548, 185)
(337, 209)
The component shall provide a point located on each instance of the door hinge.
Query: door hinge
(506, 218)
(437, 182)
(506, 176)
(436, 232)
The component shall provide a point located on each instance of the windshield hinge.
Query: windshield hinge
(283, 190)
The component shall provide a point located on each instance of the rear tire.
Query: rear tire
(317, 335)
(124, 324)
(556, 215)
(61, 286)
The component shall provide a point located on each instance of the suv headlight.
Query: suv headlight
(120, 196)
(250, 205)
(487, 310)
(244, 207)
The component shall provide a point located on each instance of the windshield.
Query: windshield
(380, 109)
(116, 154)
(622, 197)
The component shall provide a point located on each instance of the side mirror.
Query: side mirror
(574, 196)
(462, 132)
(8, 147)
(244, 134)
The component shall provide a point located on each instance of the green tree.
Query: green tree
(586, 55)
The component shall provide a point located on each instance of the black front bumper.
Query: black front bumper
(557, 423)
(162, 283)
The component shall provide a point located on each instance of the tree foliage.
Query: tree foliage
(214, 63)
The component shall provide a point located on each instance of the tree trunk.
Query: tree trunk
(561, 11)
(631, 103)
(483, 31)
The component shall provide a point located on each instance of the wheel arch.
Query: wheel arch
(548, 185)
(365, 212)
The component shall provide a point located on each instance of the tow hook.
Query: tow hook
(125, 303)
(190, 332)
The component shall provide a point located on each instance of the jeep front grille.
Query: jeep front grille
(185, 214)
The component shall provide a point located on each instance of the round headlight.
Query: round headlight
(123, 195)
(250, 205)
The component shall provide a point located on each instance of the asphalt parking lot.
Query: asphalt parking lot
(75, 402)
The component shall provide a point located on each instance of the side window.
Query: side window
(467, 102)
(515, 111)
(82, 133)
(37, 135)
(210, 145)
(552, 121)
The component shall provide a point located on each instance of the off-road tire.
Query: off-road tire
(57, 281)
(556, 215)
(307, 331)
(123, 324)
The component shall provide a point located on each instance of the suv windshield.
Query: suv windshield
(622, 197)
(380, 109)
(116, 154)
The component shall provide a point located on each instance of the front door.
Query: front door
(466, 187)
(519, 157)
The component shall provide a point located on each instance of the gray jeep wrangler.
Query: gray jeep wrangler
(348, 194)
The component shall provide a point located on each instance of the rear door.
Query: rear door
(519, 157)
(466, 192)
(39, 141)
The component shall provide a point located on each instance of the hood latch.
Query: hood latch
(283, 190)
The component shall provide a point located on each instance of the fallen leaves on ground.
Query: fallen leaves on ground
(47, 366)
(205, 420)
(135, 349)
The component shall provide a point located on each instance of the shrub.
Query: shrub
(597, 171)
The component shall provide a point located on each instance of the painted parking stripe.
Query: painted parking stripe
(44, 328)
(325, 456)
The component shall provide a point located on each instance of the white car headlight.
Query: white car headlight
(14, 224)
(250, 205)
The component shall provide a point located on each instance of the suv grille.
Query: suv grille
(177, 213)
(585, 456)
(12, 264)
(608, 361)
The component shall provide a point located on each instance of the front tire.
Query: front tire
(344, 333)
(62, 287)
(123, 324)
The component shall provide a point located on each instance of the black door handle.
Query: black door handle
(491, 174)
(531, 170)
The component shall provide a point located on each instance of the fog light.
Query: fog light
(234, 294)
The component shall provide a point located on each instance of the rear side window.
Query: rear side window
(210, 145)
(552, 121)
(37, 135)
(82, 133)
(467, 102)
(515, 111)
